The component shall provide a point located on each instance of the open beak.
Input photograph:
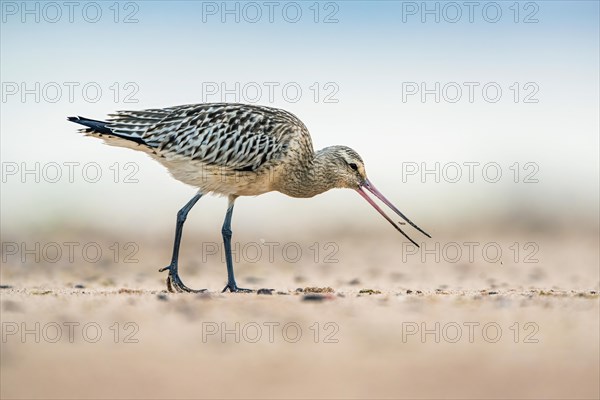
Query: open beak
(369, 186)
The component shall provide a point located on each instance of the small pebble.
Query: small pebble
(265, 291)
(41, 292)
(130, 291)
(315, 289)
(313, 297)
(162, 297)
(79, 286)
(369, 291)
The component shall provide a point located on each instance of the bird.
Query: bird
(234, 150)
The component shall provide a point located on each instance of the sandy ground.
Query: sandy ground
(392, 325)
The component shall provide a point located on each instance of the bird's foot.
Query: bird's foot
(233, 288)
(174, 283)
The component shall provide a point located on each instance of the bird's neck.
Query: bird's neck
(315, 176)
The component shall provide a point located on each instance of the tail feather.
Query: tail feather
(101, 127)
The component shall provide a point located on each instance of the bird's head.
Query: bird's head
(346, 167)
(349, 172)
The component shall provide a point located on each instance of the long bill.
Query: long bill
(369, 186)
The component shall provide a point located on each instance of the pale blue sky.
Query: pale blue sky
(368, 54)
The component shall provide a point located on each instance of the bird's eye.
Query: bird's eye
(353, 166)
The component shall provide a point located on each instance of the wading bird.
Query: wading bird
(235, 150)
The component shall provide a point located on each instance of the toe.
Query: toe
(235, 289)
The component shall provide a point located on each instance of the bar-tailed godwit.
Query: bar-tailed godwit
(235, 150)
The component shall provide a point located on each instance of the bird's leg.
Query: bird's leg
(226, 231)
(174, 283)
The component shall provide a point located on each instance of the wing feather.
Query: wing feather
(236, 136)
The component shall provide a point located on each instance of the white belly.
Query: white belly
(218, 180)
